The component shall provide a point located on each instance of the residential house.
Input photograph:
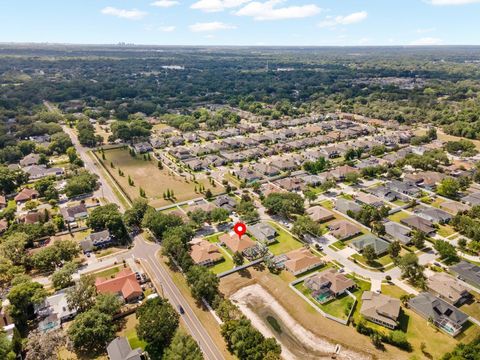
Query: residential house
(426, 179)
(301, 260)
(448, 288)
(195, 164)
(263, 232)
(468, 272)
(379, 245)
(345, 206)
(97, 239)
(202, 205)
(340, 172)
(454, 207)
(442, 314)
(33, 217)
(405, 188)
(142, 147)
(472, 199)
(3, 202)
(418, 223)
(26, 194)
(398, 232)
(124, 284)
(368, 199)
(267, 169)
(176, 140)
(158, 143)
(36, 172)
(328, 284)
(320, 214)
(284, 165)
(343, 229)
(237, 243)
(29, 160)
(74, 213)
(291, 183)
(384, 193)
(204, 252)
(435, 215)
(120, 349)
(54, 311)
(380, 309)
(225, 202)
(249, 175)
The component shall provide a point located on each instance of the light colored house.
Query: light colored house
(418, 223)
(263, 232)
(301, 260)
(343, 229)
(236, 243)
(204, 252)
(448, 288)
(74, 213)
(398, 232)
(380, 309)
(320, 214)
(120, 349)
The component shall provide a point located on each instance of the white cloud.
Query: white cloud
(132, 14)
(425, 31)
(211, 26)
(332, 21)
(217, 5)
(164, 3)
(451, 2)
(166, 28)
(427, 41)
(268, 10)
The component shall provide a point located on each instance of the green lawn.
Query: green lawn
(445, 230)
(285, 242)
(378, 263)
(399, 216)
(399, 202)
(133, 339)
(339, 245)
(107, 273)
(327, 204)
(225, 264)
(472, 308)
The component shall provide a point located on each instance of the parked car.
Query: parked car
(181, 310)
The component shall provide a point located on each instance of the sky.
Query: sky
(242, 22)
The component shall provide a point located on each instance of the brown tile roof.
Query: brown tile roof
(203, 251)
(26, 194)
(318, 213)
(447, 287)
(338, 282)
(124, 283)
(301, 260)
(454, 207)
(380, 307)
(235, 243)
(343, 229)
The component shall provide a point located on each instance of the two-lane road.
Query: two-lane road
(146, 251)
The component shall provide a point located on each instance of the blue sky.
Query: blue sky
(242, 22)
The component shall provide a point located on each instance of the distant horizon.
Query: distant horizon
(311, 23)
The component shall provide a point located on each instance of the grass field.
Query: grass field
(378, 263)
(285, 241)
(107, 273)
(128, 330)
(445, 230)
(399, 216)
(155, 182)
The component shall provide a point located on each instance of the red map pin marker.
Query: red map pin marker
(240, 229)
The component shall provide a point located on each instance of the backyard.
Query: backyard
(285, 242)
(145, 174)
(399, 216)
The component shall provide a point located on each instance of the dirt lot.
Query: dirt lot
(146, 175)
(302, 312)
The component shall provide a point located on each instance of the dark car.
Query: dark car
(181, 310)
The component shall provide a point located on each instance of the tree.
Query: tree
(412, 270)
(352, 178)
(81, 182)
(449, 187)
(208, 194)
(447, 251)
(13, 248)
(6, 351)
(159, 222)
(23, 296)
(203, 283)
(11, 179)
(315, 167)
(90, 331)
(82, 296)
(44, 345)
(304, 225)
(238, 259)
(109, 304)
(157, 323)
(394, 249)
(284, 204)
(418, 239)
(462, 351)
(183, 347)
(219, 215)
(63, 277)
(108, 217)
(369, 254)
(134, 215)
(376, 340)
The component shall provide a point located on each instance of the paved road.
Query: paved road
(146, 252)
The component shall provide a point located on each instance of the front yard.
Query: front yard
(285, 242)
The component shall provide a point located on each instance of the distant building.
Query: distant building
(74, 213)
(320, 214)
(26, 194)
(468, 272)
(418, 223)
(398, 232)
(343, 229)
(30, 159)
(448, 288)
